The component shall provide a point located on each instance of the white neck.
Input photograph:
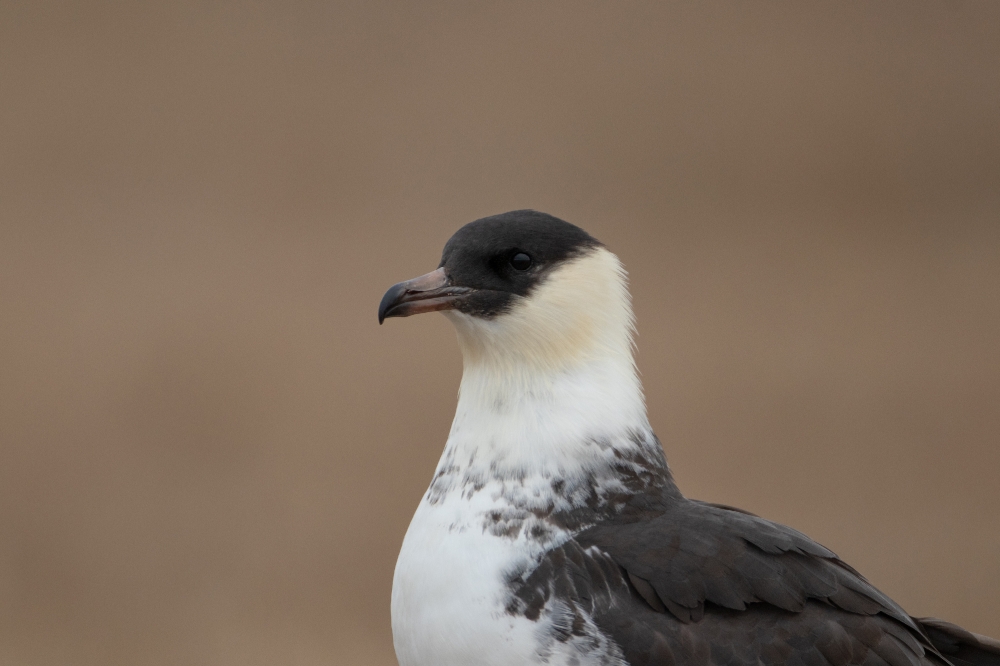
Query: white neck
(550, 386)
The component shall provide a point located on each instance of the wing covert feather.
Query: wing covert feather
(696, 583)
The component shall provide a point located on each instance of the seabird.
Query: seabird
(553, 532)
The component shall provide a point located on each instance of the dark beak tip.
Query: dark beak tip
(388, 300)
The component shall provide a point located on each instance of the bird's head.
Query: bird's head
(527, 293)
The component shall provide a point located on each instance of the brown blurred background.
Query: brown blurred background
(209, 451)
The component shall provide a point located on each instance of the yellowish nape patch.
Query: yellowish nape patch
(581, 311)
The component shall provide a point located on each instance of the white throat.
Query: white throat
(551, 383)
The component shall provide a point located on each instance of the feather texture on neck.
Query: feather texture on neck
(545, 380)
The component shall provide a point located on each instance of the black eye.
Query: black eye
(520, 261)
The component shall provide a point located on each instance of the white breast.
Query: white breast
(448, 592)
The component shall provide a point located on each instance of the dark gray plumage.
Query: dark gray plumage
(677, 581)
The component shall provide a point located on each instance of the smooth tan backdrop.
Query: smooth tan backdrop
(209, 451)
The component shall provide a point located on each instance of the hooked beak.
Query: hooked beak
(427, 293)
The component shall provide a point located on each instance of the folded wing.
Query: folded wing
(696, 583)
